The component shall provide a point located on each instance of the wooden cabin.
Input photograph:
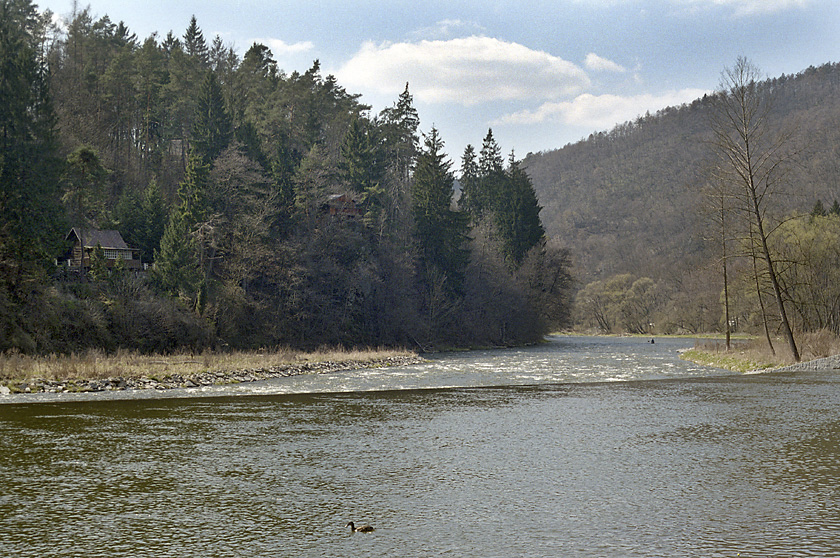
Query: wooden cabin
(342, 205)
(84, 241)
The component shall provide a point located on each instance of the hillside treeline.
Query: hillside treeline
(272, 208)
(636, 207)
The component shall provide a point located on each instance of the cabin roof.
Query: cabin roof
(89, 238)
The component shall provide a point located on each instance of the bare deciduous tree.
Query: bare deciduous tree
(753, 159)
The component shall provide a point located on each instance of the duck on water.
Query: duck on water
(360, 528)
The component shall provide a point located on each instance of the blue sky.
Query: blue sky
(541, 74)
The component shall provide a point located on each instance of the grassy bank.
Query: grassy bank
(746, 355)
(96, 365)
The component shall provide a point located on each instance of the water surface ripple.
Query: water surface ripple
(579, 447)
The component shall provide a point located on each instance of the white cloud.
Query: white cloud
(467, 71)
(595, 62)
(281, 48)
(598, 112)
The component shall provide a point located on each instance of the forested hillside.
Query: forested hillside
(631, 203)
(268, 208)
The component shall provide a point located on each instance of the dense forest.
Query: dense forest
(637, 208)
(276, 209)
(268, 208)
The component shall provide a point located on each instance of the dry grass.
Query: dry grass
(95, 364)
(754, 354)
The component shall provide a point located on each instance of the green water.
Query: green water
(686, 466)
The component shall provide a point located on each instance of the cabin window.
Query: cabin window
(111, 254)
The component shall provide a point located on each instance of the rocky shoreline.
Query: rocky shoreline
(209, 378)
(819, 364)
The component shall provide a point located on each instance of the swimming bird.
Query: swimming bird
(360, 529)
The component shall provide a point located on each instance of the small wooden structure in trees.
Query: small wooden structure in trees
(114, 248)
(343, 205)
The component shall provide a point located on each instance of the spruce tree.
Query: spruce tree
(400, 124)
(29, 166)
(84, 188)
(212, 128)
(195, 45)
(518, 215)
(362, 168)
(485, 197)
(441, 231)
(176, 271)
(177, 264)
(469, 182)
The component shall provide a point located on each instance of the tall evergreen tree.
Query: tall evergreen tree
(284, 165)
(518, 215)
(170, 43)
(212, 128)
(469, 182)
(141, 219)
(441, 231)
(485, 197)
(84, 188)
(400, 124)
(176, 271)
(362, 167)
(29, 167)
(177, 262)
(195, 45)
(490, 160)
(192, 192)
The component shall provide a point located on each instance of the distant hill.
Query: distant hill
(627, 201)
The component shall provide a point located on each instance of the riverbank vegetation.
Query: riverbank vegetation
(267, 208)
(749, 354)
(18, 369)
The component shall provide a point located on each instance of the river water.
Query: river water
(579, 447)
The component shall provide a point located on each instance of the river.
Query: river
(580, 447)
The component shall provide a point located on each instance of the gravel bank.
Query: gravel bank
(819, 364)
(219, 377)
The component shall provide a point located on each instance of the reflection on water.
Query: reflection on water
(682, 465)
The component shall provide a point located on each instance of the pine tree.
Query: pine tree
(490, 162)
(29, 166)
(284, 165)
(169, 44)
(176, 271)
(400, 124)
(469, 182)
(212, 128)
(441, 232)
(195, 45)
(362, 168)
(518, 215)
(141, 218)
(485, 197)
(192, 192)
(84, 188)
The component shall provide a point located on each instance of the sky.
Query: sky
(540, 74)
